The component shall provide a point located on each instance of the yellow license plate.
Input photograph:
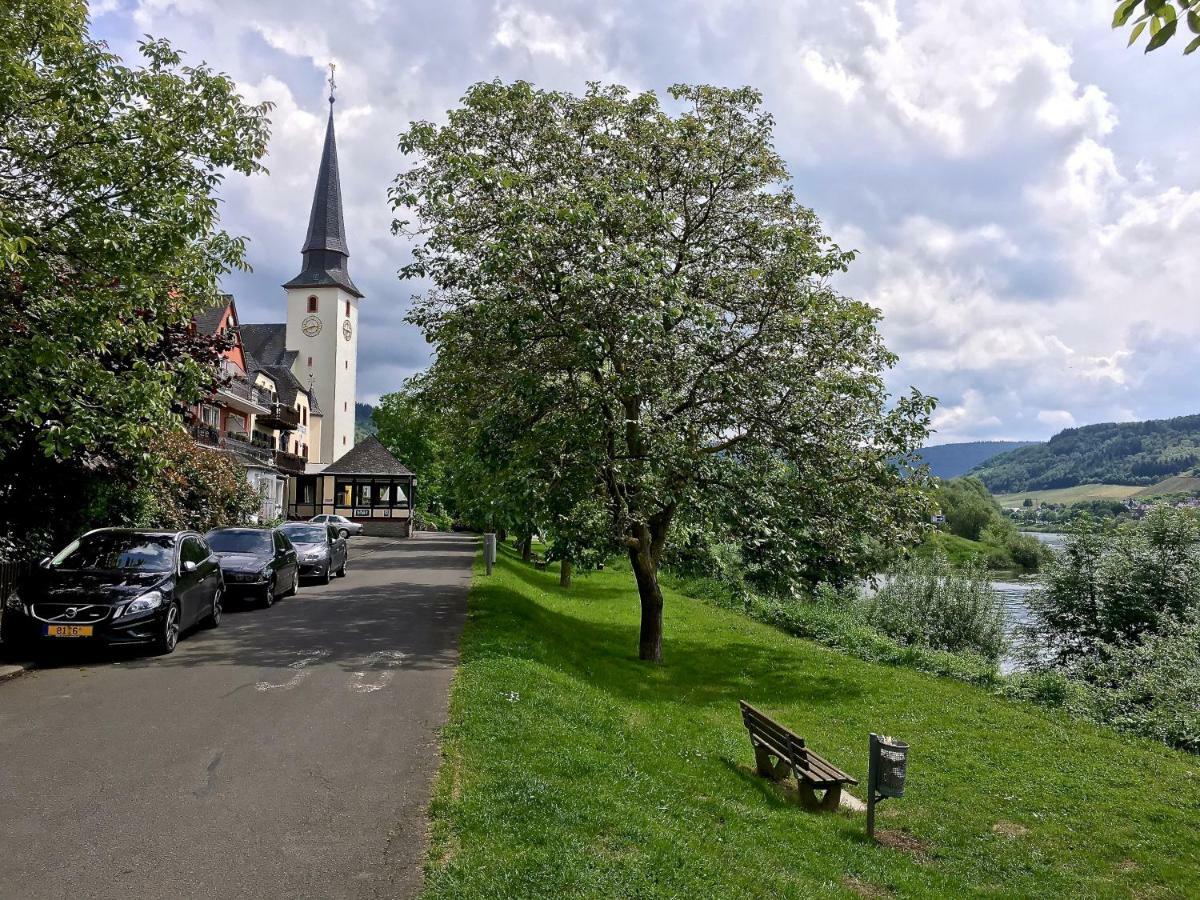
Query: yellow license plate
(68, 631)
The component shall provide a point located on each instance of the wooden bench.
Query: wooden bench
(813, 773)
(539, 562)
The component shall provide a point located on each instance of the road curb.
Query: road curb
(12, 671)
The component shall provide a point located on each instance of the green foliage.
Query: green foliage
(109, 243)
(626, 298)
(1107, 589)
(1152, 686)
(978, 531)
(930, 603)
(364, 422)
(1159, 20)
(967, 506)
(1128, 453)
(412, 432)
(194, 488)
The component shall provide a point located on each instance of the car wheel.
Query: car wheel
(168, 635)
(268, 595)
(343, 534)
(214, 617)
(291, 592)
(328, 576)
(342, 571)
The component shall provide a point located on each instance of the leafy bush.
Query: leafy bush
(1110, 589)
(195, 488)
(1152, 687)
(928, 602)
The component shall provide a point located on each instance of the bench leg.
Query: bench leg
(776, 771)
(828, 803)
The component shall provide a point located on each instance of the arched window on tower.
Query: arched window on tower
(312, 304)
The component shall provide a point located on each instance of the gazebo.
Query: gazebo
(368, 485)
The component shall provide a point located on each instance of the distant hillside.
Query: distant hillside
(363, 423)
(953, 460)
(1132, 453)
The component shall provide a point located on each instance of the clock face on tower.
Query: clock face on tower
(311, 326)
(347, 329)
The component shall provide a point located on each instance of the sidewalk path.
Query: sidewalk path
(289, 753)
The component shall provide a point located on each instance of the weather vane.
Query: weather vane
(332, 83)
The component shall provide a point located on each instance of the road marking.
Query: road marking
(388, 661)
(300, 667)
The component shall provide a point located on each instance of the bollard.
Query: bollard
(489, 551)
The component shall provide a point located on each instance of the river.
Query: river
(1014, 588)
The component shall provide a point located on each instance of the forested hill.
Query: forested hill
(953, 460)
(1112, 453)
(363, 423)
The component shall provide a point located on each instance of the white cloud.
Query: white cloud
(539, 33)
(1024, 192)
(1058, 418)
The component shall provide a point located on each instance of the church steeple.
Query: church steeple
(325, 251)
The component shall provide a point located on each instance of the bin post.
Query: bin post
(872, 777)
(887, 771)
(489, 550)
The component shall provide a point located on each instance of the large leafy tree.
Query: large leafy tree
(109, 243)
(639, 289)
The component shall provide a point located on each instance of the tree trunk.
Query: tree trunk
(645, 570)
(564, 573)
(646, 542)
(527, 547)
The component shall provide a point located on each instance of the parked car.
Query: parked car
(118, 586)
(343, 525)
(321, 549)
(256, 562)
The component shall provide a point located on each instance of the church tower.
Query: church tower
(322, 302)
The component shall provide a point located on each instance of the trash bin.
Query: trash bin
(891, 766)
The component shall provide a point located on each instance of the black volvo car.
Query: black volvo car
(257, 562)
(118, 586)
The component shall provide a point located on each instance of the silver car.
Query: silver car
(344, 526)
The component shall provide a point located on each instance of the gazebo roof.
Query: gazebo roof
(367, 457)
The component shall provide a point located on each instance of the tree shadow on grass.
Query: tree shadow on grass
(694, 672)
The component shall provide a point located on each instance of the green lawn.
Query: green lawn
(573, 770)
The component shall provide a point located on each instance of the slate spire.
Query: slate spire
(325, 251)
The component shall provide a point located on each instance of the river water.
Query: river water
(1014, 588)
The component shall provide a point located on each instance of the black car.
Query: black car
(322, 551)
(258, 562)
(118, 586)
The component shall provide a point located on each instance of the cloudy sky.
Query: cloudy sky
(1024, 192)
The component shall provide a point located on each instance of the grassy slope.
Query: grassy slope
(1176, 484)
(1078, 494)
(571, 769)
(959, 550)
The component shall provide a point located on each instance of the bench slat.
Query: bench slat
(807, 766)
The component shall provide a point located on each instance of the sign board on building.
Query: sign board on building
(360, 512)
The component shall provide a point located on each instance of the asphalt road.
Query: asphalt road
(289, 753)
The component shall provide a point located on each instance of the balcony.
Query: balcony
(236, 441)
(289, 462)
(237, 393)
(285, 418)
